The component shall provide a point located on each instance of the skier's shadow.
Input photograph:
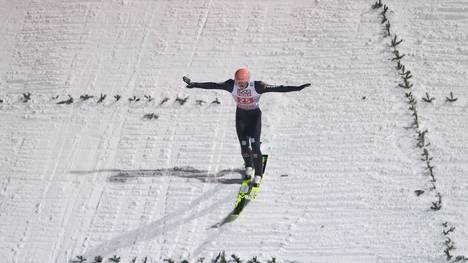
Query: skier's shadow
(122, 175)
(177, 218)
(163, 225)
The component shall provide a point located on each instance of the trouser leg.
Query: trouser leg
(246, 152)
(248, 127)
(257, 157)
(255, 144)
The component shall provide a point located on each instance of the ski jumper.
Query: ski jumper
(248, 115)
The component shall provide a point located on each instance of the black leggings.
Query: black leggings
(249, 127)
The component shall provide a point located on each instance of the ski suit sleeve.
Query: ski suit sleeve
(226, 85)
(262, 87)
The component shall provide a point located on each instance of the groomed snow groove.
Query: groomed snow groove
(438, 56)
(98, 179)
(423, 139)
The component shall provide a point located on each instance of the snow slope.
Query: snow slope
(99, 179)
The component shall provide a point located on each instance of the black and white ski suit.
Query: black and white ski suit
(248, 115)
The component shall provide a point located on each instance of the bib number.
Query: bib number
(245, 100)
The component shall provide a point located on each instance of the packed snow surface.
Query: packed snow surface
(91, 178)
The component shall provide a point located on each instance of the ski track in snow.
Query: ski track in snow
(89, 179)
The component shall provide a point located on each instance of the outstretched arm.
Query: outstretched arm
(227, 85)
(264, 88)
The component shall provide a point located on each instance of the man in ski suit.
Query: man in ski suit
(247, 94)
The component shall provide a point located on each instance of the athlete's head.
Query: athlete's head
(242, 77)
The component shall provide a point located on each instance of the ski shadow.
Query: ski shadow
(162, 226)
(123, 176)
(188, 172)
(232, 216)
(197, 208)
(228, 219)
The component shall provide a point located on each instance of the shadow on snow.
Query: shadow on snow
(122, 176)
(167, 223)
(175, 219)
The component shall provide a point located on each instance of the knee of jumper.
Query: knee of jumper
(245, 150)
(245, 154)
(256, 148)
(244, 143)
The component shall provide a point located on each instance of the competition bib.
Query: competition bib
(246, 98)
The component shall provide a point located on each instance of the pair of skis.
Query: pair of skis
(247, 191)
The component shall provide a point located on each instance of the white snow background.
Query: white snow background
(92, 178)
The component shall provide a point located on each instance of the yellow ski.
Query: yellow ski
(247, 191)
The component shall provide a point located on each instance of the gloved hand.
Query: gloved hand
(304, 86)
(190, 84)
